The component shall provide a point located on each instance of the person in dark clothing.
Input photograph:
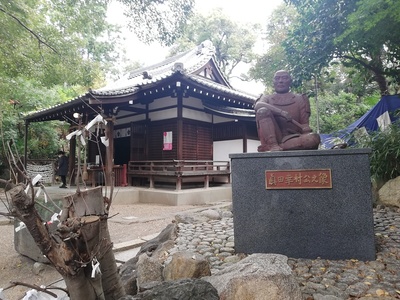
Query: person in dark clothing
(62, 168)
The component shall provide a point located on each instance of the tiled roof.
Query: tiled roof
(185, 63)
(82, 99)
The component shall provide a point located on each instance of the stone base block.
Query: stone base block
(330, 223)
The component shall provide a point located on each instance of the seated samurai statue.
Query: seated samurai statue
(283, 118)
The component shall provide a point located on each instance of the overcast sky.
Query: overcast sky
(254, 11)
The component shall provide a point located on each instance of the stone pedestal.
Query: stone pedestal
(329, 222)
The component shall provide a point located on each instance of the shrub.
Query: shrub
(385, 156)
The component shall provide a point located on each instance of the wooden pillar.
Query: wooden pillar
(244, 134)
(206, 181)
(179, 133)
(109, 133)
(26, 144)
(71, 160)
(147, 133)
(151, 181)
(178, 185)
(151, 178)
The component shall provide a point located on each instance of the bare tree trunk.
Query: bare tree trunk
(112, 285)
(382, 83)
(81, 286)
(79, 247)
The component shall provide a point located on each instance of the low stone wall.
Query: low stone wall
(45, 169)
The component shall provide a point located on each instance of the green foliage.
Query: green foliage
(158, 20)
(310, 42)
(234, 43)
(385, 156)
(19, 96)
(333, 74)
(338, 78)
(45, 139)
(375, 19)
(274, 58)
(55, 42)
(330, 30)
(336, 112)
(52, 51)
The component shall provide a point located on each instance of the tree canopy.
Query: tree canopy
(234, 42)
(158, 20)
(357, 33)
(52, 51)
(71, 42)
(275, 33)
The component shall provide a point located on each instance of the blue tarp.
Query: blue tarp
(369, 120)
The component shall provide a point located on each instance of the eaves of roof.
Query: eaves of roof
(221, 88)
(54, 112)
(187, 62)
(231, 112)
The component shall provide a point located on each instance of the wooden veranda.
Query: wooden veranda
(205, 170)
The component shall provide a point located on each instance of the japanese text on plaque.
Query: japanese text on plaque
(298, 179)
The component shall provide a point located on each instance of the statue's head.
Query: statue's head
(282, 81)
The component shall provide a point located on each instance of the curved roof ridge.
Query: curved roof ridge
(158, 65)
(189, 61)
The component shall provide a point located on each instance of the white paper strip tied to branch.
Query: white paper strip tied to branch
(38, 192)
(30, 295)
(54, 218)
(95, 267)
(97, 119)
(34, 181)
(77, 133)
(20, 226)
(83, 142)
(105, 141)
(73, 133)
(35, 295)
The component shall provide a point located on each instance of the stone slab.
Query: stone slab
(128, 245)
(124, 256)
(334, 223)
(198, 196)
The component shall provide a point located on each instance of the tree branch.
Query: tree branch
(29, 30)
(32, 286)
(378, 73)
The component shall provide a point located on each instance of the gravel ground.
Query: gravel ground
(319, 279)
